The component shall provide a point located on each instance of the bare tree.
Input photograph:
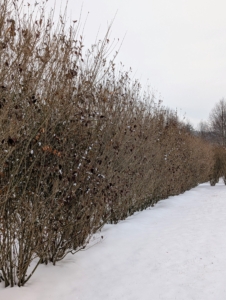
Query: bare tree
(206, 132)
(218, 122)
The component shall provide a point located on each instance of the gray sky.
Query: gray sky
(179, 46)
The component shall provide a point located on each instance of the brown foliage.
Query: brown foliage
(219, 168)
(80, 145)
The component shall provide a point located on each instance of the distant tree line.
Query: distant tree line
(214, 129)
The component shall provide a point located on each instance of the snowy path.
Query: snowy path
(175, 250)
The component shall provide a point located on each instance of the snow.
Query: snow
(175, 250)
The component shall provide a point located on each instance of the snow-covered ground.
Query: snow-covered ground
(175, 250)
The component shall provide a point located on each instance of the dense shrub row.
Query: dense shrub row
(80, 144)
(219, 168)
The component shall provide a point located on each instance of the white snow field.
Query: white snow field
(175, 250)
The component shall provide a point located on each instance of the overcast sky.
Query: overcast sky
(178, 46)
